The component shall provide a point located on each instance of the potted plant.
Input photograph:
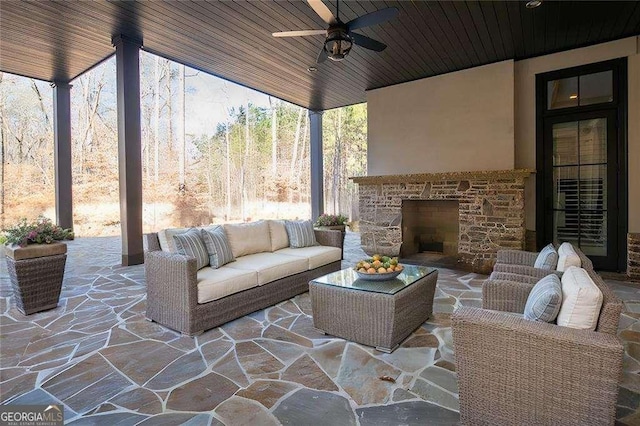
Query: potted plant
(331, 221)
(35, 262)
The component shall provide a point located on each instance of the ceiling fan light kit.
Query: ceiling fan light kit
(340, 37)
(338, 44)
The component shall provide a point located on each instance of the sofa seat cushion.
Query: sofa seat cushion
(317, 255)
(581, 300)
(270, 266)
(214, 284)
(248, 238)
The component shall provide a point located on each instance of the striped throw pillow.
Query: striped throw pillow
(547, 259)
(545, 300)
(218, 247)
(300, 233)
(190, 244)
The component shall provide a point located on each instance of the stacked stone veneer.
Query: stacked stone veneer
(491, 210)
(633, 256)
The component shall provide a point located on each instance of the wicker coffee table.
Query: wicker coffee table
(375, 313)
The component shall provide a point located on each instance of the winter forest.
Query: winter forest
(212, 151)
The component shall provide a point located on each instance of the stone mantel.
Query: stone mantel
(444, 176)
(490, 216)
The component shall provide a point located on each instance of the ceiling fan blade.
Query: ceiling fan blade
(373, 18)
(367, 43)
(322, 56)
(299, 33)
(323, 11)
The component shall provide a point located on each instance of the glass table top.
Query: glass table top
(349, 279)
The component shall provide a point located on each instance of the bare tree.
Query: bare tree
(181, 135)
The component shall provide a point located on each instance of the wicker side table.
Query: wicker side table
(36, 273)
(371, 317)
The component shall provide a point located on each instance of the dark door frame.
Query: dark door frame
(544, 224)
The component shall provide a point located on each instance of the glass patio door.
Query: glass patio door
(582, 183)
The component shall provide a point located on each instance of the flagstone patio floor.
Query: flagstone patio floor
(97, 355)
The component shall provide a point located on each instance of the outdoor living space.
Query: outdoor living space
(269, 367)
(320, 212)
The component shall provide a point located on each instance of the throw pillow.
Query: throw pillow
(190, 244)
(581, 300)
(248, 238)
(165, 237)
(217, 246)
(547, 259)
(300, 233)
(545, 299)
(567, 257)
(279, 237)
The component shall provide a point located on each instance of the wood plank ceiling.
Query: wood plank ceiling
(59, 40)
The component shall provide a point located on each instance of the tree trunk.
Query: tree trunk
(228, 167)
(245, 165)
(156, 122)
(169, 103)
(2, 175)
(181, 135)
(274, 135)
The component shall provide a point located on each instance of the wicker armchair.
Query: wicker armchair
(512, 371)
(520, 262)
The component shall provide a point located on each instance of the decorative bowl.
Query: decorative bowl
(378, 277)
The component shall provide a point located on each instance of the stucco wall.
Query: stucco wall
(525, 113)
(461, 121)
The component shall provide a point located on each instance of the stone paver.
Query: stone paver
(97, 355)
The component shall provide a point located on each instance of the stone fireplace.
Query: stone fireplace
(490, 211)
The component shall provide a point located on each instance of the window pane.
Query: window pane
(593, 141)
(565, 188)
(593, 187)
(596, 88)
(593, 233)
(562, 93)
(565, 227)
(565, 143)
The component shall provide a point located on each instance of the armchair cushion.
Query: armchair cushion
(567, 257)
(217, 246)
(581, 300)
(300, 233)
(545, 299)
(547, 258)
(190, 244)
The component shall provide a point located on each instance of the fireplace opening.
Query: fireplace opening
(430, 231)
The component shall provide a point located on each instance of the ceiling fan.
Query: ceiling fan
(340, 36)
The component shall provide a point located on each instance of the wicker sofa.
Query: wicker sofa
(514, 371)
(174, 297)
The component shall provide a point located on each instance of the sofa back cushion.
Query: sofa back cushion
(581, 300)
(248, 238)
(545, 299)
(300, 233)
(278, 233)
(190, 244)
(165, 238)
(567, 257)
(547, 259)
(218, 246)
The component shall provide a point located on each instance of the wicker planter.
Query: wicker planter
(333, 227)
(36, 273)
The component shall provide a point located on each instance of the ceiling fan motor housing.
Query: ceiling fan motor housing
(338, 42)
